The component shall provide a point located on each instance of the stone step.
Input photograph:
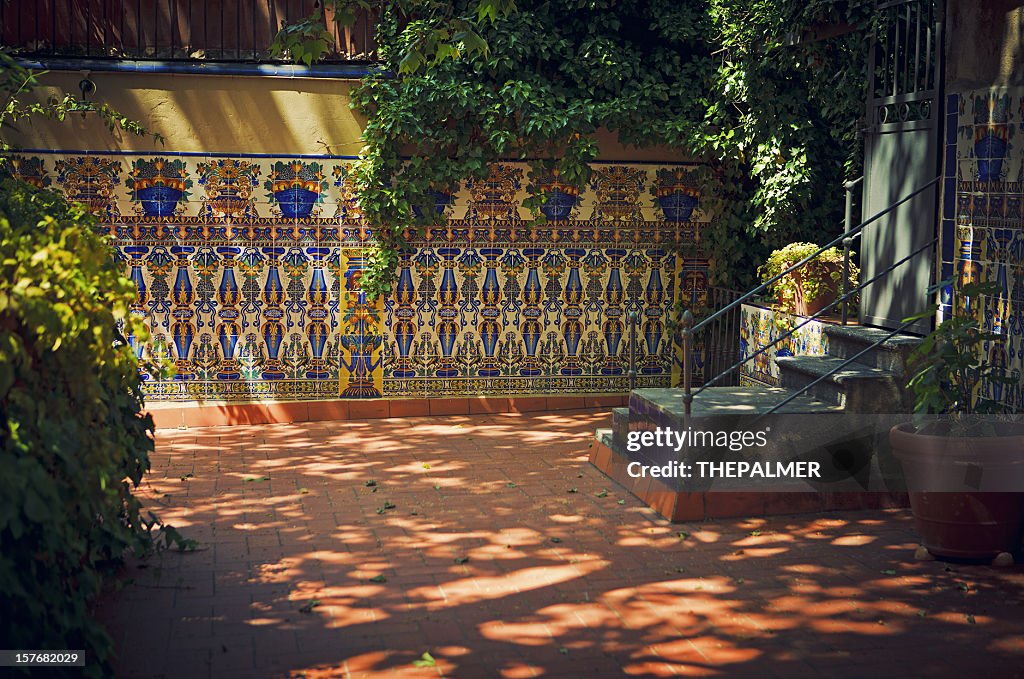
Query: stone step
(847, 341)
(856, 387)
(725, 401)
(807, 428)
(620, 425)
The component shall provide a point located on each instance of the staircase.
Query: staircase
(872, 385)
(875, 382)
(834, 411)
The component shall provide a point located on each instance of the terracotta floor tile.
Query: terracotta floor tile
(489, 564)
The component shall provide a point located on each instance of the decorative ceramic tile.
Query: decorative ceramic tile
(760, 328)
(247, 271)
(989, 236)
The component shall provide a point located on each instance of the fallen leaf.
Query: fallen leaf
(889, 571)
(603, 493)
(370, 484)
(621, 502)
(378, 578)
(573, 490)
(309, 606)
(303, 491)
(683, 535)
(556, 540)
(426, 465)
(426, 660)
(970, 619)
(510, 485)
(257, 479)
(461, 559)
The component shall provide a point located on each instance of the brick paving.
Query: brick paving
(490, 542)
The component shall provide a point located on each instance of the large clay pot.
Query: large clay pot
(952, 520)
(828, 289)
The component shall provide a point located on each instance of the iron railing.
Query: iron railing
(689, 327)
(721, 346)
(169, 30)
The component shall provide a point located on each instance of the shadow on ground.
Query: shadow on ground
(349, 549)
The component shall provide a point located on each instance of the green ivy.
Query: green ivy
(744, 85)
(73, 439)
(17, 81)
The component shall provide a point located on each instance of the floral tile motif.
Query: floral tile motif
(30, 169)
(247, 272)
(760, 327)
(91, 180)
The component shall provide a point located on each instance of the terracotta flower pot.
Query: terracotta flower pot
(952, 518)
(828, 288)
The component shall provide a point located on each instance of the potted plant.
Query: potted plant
(963, 455)
(813, 286)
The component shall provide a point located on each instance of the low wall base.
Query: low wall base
(700, 506)
(184, 416)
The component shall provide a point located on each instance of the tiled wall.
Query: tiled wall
(982, 222)
(248, 275)
(760, 327)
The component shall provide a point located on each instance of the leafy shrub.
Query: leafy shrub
(73, 441)
(818, 277)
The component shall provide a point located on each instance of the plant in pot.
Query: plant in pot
(963, 454)
(813, 286)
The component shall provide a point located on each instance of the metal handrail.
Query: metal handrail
(853, 233)
(689, 328)
(874, 345)
(631, 319)
(810, 319)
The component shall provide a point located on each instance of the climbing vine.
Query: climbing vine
(768, 92)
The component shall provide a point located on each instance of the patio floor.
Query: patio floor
(490, 542)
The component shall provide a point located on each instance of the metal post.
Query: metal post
(687, 333)
(632, 350)
(847, 244)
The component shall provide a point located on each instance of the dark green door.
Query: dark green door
(901, 155)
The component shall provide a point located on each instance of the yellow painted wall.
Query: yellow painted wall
(206, 113)
(233, 114)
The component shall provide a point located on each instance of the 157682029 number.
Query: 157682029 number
(23, 658)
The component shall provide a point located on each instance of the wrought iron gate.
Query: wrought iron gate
(901, 155)
(721, 340)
